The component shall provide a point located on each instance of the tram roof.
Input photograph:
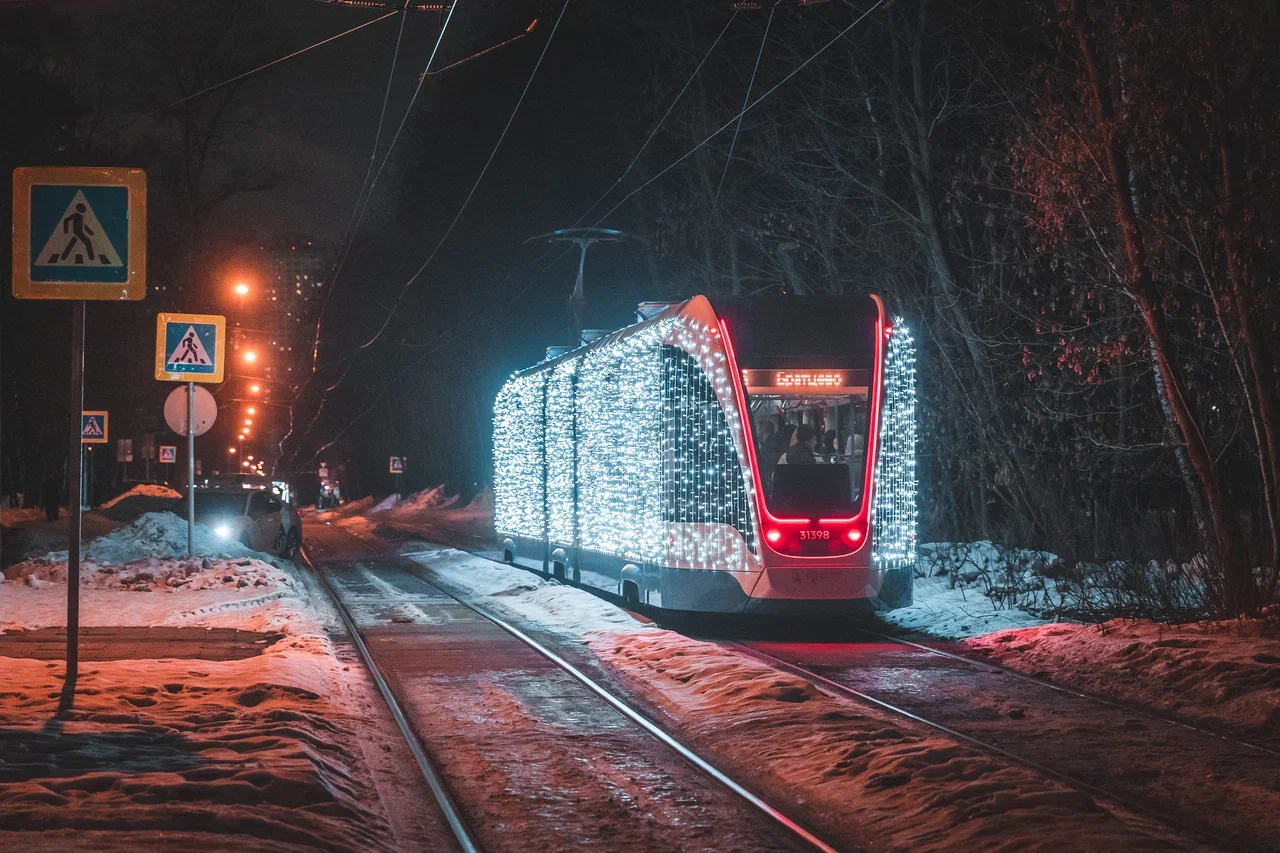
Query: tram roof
(774, 331)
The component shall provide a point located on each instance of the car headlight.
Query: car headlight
(223, 530)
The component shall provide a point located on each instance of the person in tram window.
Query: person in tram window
(771, 448)
(788, 441)
(801, 453)
(829, 446)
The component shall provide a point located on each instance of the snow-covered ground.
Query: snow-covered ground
(1223, 674)
(262, 753)
(143, 490)
(854, 771)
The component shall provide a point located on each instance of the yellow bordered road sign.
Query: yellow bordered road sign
(190, 347)
(79, 232)
(93, 427)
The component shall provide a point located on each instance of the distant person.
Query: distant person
(802, 452)
(829, 444)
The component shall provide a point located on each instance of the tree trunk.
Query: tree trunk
(1237, 592)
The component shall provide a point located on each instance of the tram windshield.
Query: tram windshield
(812, 450)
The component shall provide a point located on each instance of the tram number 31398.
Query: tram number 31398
(815, 534)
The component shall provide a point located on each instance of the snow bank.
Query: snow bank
(954, 611)
(155, 534)
(387, 503)
(11, 517)
(264, 753)
(148, 556)
(143, 490)
(1223, 674)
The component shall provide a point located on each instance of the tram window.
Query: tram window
(833, 483)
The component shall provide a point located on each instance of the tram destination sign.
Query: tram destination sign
(815, 381)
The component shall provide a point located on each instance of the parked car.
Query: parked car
(258, 518)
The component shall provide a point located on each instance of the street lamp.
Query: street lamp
(248, 422)
(250, 356)
(231, 451)
(252, 410)
(254, 389)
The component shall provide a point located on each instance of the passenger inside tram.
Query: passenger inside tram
(811, 451)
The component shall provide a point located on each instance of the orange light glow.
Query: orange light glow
(250, 356)
(254, 389)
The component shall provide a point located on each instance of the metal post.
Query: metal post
(191, 469)
(74, 487)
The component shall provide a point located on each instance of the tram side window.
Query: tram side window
(703, 481)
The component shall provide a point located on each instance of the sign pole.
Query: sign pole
(74, 486)
(191, 469)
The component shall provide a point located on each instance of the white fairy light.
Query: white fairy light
(643, 421)
(894, 511)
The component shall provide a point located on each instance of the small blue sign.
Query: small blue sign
(93, 427)
(168, 453)
(79, 233)
(397, 465)
(189, 347)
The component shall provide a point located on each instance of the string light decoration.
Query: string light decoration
(517, 456)
(894, 511)
(643, 423)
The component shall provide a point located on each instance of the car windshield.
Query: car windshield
(811, 449)
(219, 504)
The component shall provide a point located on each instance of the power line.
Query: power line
(234, 79)
(493, 153)
(658, 126)
(745, 109)
(745, 100)
(404, 289)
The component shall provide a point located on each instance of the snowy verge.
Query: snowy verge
(953, 611)
(857, 774)
(143, 490)
(262, 753)
(1222, 674)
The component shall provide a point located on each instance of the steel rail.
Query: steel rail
(1067, 779)
(1080, 694)
(444, 799)
(717, 775)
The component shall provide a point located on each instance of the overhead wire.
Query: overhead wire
(475, 186)
(745, 100)
(685, 156)
(117, 128)
(445, 236)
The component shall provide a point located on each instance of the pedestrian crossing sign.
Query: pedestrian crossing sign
(190, 347)
(168, 453)
(93, 427)
(79, 233)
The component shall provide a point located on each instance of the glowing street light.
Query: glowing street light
(250, 356)
(241, 288)
(252, 410)
(248, 422)
(231, 450)
(254, 389)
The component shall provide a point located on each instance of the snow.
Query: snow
(11, 517)
(955, 611)
(263, 753)
(143, 490)
(862, 776)
(1222, 674)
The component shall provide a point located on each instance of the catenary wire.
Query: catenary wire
(745, 100)
(238, 77)
(475, 186)
(685, 156)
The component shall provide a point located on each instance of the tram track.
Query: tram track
(448, 800)
(1127, 707)
(1212, 830)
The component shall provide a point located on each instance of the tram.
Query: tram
(720, 456)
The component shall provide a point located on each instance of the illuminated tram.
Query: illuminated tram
(655, 463)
